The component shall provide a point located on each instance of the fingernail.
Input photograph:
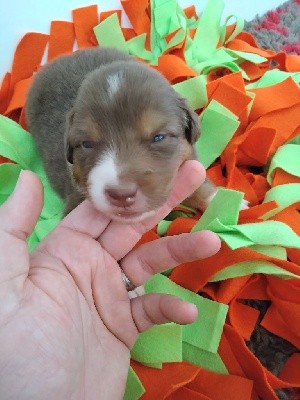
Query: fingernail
(20, 178)
(194, 308)
(193, 311)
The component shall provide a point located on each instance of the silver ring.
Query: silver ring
(127, 282)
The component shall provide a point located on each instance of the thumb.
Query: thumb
(19, 214)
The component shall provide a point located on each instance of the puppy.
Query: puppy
(113, 130)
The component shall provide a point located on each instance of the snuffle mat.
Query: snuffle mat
(248, 101)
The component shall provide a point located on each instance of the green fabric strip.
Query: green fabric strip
(206, 331)
(18, 145)
(218, 125)
(284, 195)
(287, 157)
(203, 358)
(109, 33)
(160, 344)
(134, 387)
(252, 267)
(194, 90)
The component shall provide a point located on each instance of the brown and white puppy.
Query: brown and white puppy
(113, 130)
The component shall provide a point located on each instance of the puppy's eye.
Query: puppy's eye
(87, 144)
(158, 138)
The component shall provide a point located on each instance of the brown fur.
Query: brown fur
(74, 117)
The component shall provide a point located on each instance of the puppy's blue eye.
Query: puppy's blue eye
(158, 138)
(87, 144)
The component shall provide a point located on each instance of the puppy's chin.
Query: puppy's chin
(130, 218)
(126, 217)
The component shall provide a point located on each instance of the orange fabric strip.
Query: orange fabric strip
(4, 92)
(240, 45)
(291, 370)
(19, 95)
(255, 288)
(237, 180)
(139, 16)
(196, 274)
(62, 38)
(173, 68)
(187, 394)
(181, 225)
(285, 297)
(294, 255)
(160, 383)
(287, 95)
(85, 19)
(252, 70)
(243, 319)
(128, 33)
(22, 119)
(259, 184)
(248, 38)
(274, 323)
(229, 30)
(288, 63)
(256, 212)
(170, 36)
(217, 386)
(280, 177)
(229, 358)
(230, 288)
(285, 121)
(147, 237)
(31, 48)
(215, 174)
(256, 148)
(289, 216)
(106, 14)
(249, 363)
(235, 80)
(137, 12)
(292, 63)
(191, 12)
(278, 383)
(230, 97)
(4, 160)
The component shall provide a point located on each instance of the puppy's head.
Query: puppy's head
(128, 133)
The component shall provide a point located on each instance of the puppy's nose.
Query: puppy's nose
(121, 197)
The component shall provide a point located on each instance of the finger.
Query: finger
(166, 253)
(112, 302)
(153, 309)
(18, 216)
(86, 219)
(118, 239)
(190, 176)
(20, 212)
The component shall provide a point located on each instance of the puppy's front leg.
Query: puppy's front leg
(201, 198)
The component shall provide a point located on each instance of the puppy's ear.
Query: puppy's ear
(69, 153)
(68, 147)
(192, 125)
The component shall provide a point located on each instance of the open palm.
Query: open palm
(66, 321)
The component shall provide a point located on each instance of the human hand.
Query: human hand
(66, 321)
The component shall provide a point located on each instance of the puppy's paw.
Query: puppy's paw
(244, 205)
